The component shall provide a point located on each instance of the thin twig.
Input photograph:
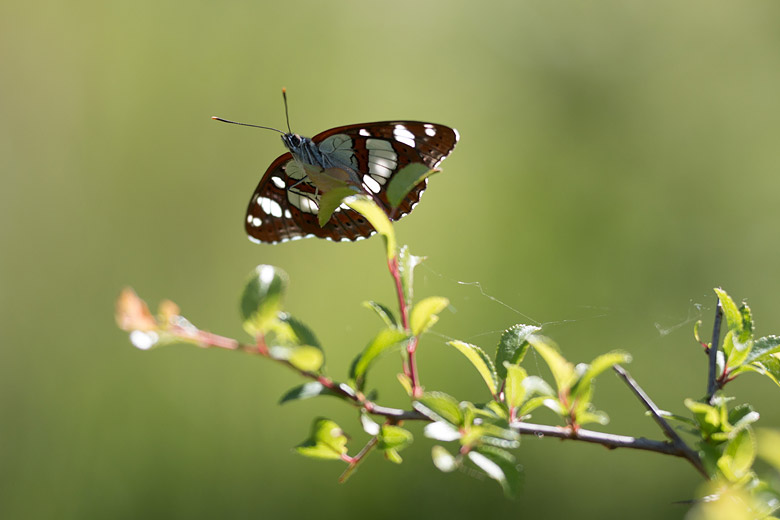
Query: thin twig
(712, 376)
(682, 449)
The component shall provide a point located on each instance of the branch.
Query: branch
(681, 449)
(675, 447)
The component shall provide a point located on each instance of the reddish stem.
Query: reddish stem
(410, 366)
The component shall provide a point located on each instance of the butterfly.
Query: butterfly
(367, 156)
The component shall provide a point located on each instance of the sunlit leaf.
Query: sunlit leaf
(730, 311)
(407, 262)
(425, 313)
(394, 438)
(385, 340)
(514, 390)
(763, 347)
(305, 358)
(443, 460)
(562, 371)
(481, 362)
(500, 465)
(327, 441)
(583, 388)
(441, 431)
(737, 459)
(384, 313)
(513, 345)
(439, 406)
(377, 218)
(261, 300)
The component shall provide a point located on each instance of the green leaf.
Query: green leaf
(514, 390)
(763, 348)
(377, 218)
(305, 358)
(592, 416)
(331, 200)
(513, 345)
(394, 438)
(481, 362)
(261, 300)
(405, 180)
(327, 441)
(307, 391)
(500, 465)
(297, 334)
(439, 406)
(747, 323)
(535, 402)
(382, 342)
(406, 383)
(583, 388)
(384, 313)
(707, 417)
(406, 263)
(730, 311)
(443, 460)
(696, 327)
(737, 459)
(425, 313)
(562, 371)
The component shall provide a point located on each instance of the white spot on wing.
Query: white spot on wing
(278, 182)
(256, 222)
(364, 132)
(430, 131)
(269, 206)
(402, 134)
(287, 213)
(371, 184)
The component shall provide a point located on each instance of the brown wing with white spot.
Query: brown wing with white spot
(284, 205)
(284, 208)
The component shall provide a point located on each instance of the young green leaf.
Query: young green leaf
(583, 389)
(730, 311)
(393, 439)
(377, 218)
(305, 358)
(331, 200)
(737, 459)
(562, 371)
(747, 323)
(514, 390)
(439, 406)
(406, 264)
(384, 313)
(307, 391)
(763, 348)
(481, 362)
(287, 330)
(707, 417)
(405, 180)
(513, 345)
(425, 313)
(261, 300)
(500, 465)
(382, 342)
(406, 383)
(443, 460)
(327, 441)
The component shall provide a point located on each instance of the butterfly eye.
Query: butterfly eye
(295, 140)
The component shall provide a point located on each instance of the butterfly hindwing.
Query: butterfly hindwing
(285, 203)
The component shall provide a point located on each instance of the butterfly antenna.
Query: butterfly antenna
(286, 113)
(246, 124)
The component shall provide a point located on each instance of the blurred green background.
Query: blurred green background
(618, 159)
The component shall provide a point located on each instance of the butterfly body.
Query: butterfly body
(365, 156)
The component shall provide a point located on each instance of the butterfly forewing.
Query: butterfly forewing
(285, 203)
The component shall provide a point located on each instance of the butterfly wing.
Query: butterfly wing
(285, 203)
